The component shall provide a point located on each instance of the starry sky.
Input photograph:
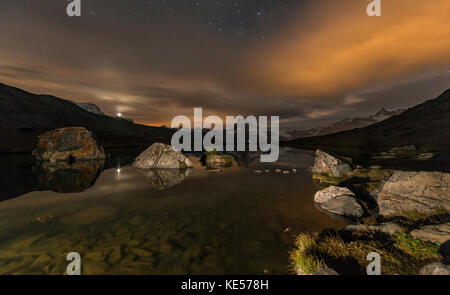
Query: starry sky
(311, 62)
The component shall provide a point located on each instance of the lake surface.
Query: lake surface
(129, 221)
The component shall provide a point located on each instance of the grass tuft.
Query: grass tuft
(304, 259)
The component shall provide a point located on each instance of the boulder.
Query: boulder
(162, 156)
(327, 164)
(339, 200)
(422, 192)
(332, 192)
(433, 233)
(344, 205)
(425, 157)
(435, 269)
(388, 228)
(218, 161)
(68, 144)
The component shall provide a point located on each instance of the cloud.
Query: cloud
(332, 60)
(335, 48)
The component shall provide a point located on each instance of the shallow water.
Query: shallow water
(136, 222)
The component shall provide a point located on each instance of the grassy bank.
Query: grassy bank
(346, 252)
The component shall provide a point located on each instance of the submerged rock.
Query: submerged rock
(433, 233)
(422, 192)
(425, 157)
(435, 269)
(68, 144)
(340, 201)
(162, 156)
(327, 164)
(397, 152)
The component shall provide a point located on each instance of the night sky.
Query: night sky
(311, 62)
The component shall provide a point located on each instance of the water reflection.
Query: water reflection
(162, 179)
(65, 177)
(232, 222)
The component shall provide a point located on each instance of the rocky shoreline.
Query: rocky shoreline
(402, 215)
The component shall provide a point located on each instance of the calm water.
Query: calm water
(158, 222)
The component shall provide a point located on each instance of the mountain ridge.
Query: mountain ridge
(346, 124)
(27, 115)
(426, 126)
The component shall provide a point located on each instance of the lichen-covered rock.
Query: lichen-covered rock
(435, 269)
(433, 233)
(70, 143)
(339, 200)
(328, 164)
(162, 156)
(422, 192)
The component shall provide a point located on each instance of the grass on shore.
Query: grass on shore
(401, 254)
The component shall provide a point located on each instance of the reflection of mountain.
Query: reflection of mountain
(26, 115)
(16, 176)
(64, 177)
(346, 124)
(163, 179)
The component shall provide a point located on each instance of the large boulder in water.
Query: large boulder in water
(422, 192)
(68, 144)
(162, 156)
(325, 163)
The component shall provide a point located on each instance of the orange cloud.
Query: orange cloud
(334, 47)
